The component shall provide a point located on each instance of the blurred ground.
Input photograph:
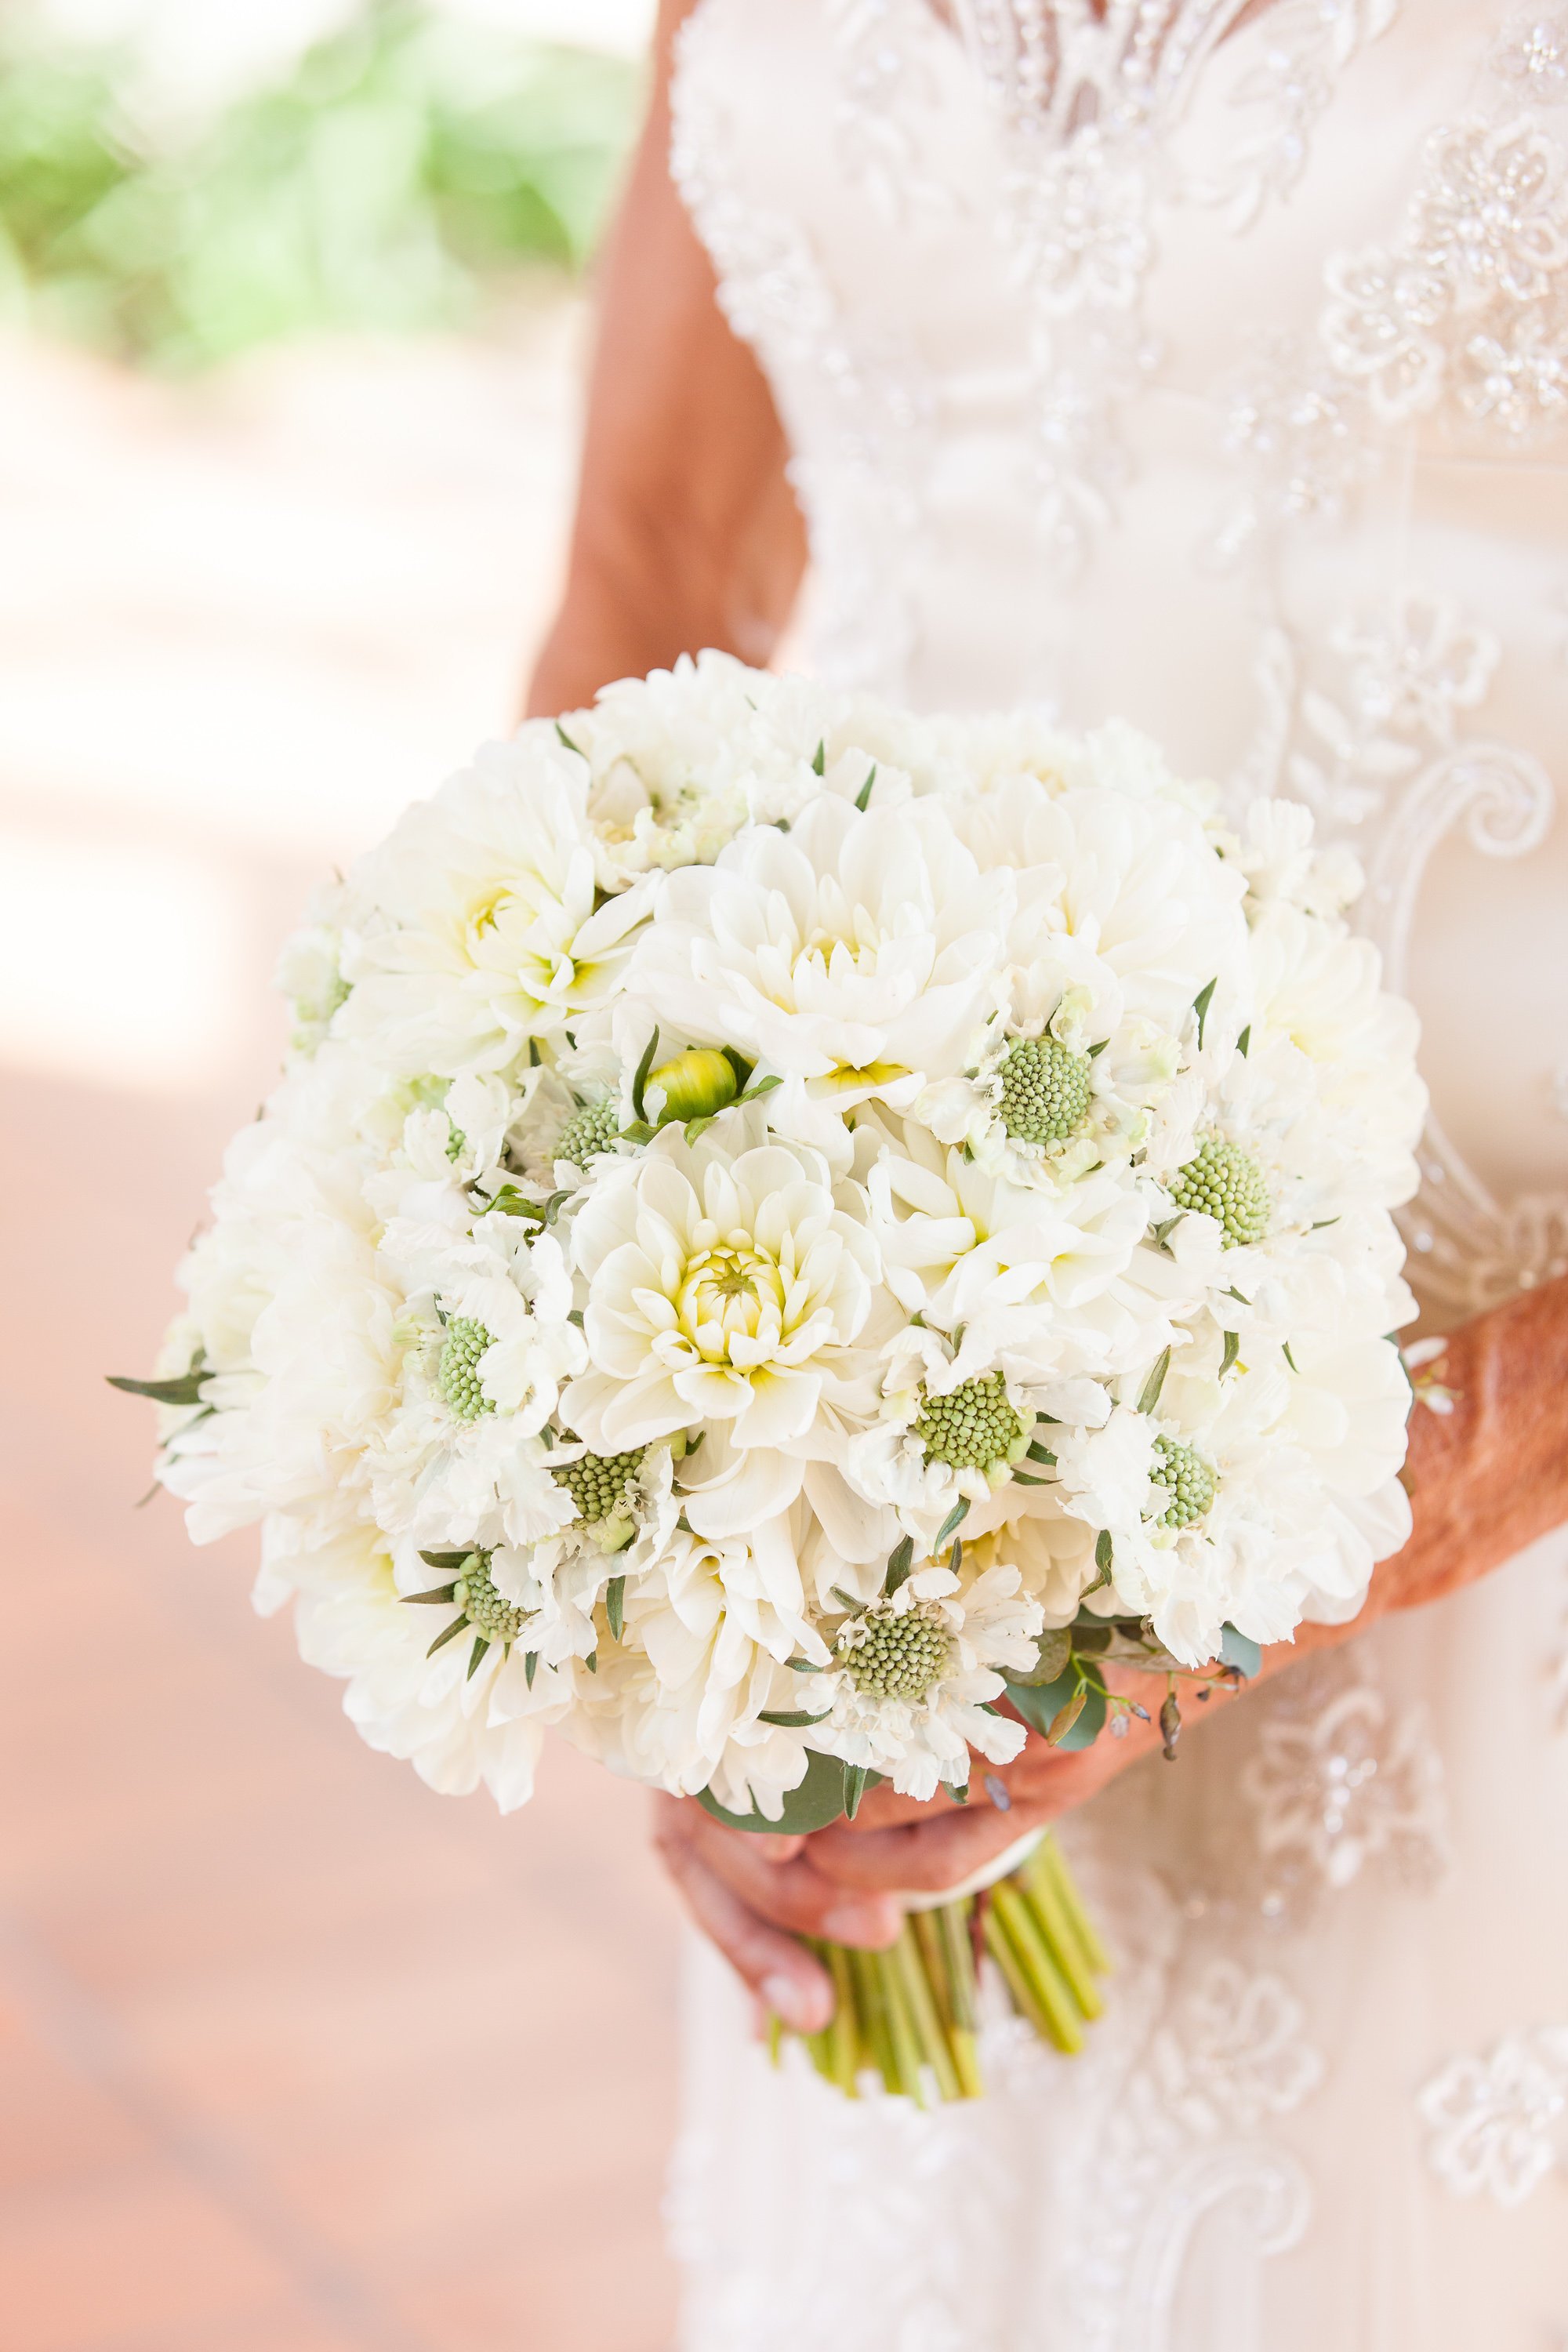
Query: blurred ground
(294, 2057)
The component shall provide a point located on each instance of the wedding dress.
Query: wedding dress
(1208, 365)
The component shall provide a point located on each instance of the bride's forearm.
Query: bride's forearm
(1489, 1477)
(685, 533)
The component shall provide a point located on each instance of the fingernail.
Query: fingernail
(852, 1923)
(799, 2010)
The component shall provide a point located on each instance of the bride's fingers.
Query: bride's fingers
(780, 1972)
(794, 1895)
(921, 1857)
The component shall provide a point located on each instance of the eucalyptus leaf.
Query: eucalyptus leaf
(1239, 1650)
(816, 1800)
(1054, 1650)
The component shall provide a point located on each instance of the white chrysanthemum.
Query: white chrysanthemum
(1032, 1277)
(855, 951)
(492, 929)
(718, 1289)
(914, 1675)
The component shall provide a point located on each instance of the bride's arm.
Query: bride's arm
(1487, 1479)
(686, 534)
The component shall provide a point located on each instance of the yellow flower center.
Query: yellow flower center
(732, 1290)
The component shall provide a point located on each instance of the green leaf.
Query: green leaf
(1038, 1452)
(1201, 1003)
(449, 1558)
(953, 1520)
(1096, 1051)
(819, 759)
(1022, 1478)
(1163, 1232)
(510, 1202)
(592, 1661)
(562, 737)
(1102, 1551)
(436, 1592)
(855, 1778)
(1150, 1397)
(742, 1067)
(1062, 1722)
(864, 794)
(459, 1625)
(640, 1080)
(817, 1799)
(1244, 1041)
(1232, 1350)
(1238, 1650)
(804, 1666)
(787, 1719)
(1040, 1705)
(615, 1606)
(531, 1666)
(184, 1389)
(1053, 1652)
(1289, 1359)
(846, 1599)
(764, 1087)
(481, 1645)
(900, 1563)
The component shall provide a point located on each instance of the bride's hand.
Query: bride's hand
(754, 1895)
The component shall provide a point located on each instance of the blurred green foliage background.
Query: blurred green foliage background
(407, 164)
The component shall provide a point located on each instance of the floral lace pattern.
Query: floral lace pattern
(1337, 1783)
(1495, 2124)
(1471, 305)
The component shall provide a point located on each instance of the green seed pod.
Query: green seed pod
(694, 1085)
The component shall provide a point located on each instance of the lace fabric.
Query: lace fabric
(1208, 367)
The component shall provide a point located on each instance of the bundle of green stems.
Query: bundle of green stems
(909, 2014)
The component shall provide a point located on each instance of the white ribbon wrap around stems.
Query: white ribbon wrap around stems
(986, 1875)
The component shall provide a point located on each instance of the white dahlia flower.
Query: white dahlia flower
(855, 951)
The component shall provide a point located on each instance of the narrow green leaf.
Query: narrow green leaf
(1289, 1359)
(1234, 1293)
(855, 1776)
(1150, 1396)
(742, 1067)
(764, 1087)
(1201, 1003)
(1102, 1551)
(1022, 1478)
(804, 1666)
(592, 1661)
(819, 759)
(846, 1599)
(615, 1606)
(450, 1558)
(562, 737)
(953, 1520)
(457, 1625)
(1163, 1232)
(481, 1645)
(1095, 1051)
(1244, 1041)
(901, 1562)
(1063, 1721)
(864, 794)
(640, 1080)
(1232, 1350)
(185, 1388)
(787, 1719)
(1038, 1452)
(436, 1592)
(534, 1056)
(531, 1666)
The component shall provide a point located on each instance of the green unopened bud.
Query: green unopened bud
(694, 1085)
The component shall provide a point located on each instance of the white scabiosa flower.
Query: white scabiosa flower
(914, 1675)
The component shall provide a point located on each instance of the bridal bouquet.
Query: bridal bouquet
(787, 1227)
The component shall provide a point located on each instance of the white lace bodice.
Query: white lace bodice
(1209, 364)
(1225, 387)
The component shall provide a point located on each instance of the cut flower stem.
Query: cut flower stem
(907, 2016)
